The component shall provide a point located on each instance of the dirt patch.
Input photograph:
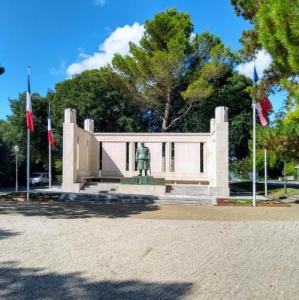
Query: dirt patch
(245, 202)
(222, 213)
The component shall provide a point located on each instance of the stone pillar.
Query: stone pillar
(167, 157)
(89, 125)
(212, 126)
(219, 181)
(131, 158)
(90, 162)
(95, 158)
(69, 173)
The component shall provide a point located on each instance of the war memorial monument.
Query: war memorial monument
(145, 163)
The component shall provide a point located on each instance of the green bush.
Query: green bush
(290, 169)
(241, 168)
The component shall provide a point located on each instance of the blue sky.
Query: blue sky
(56, 37)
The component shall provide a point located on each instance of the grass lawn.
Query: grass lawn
(274, 190)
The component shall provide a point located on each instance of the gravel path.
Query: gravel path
(42, 257)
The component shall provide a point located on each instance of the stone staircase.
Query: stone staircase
(187, 190)
(175, 194)
(191, 194)
(100, 187)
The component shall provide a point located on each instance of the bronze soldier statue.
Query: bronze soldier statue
(143, 159)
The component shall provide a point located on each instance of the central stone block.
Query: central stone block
(143, 180)
(143, 185)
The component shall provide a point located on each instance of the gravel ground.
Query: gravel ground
(50, 253)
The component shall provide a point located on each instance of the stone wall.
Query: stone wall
(80, 152)
(168, 154)
(177, 157)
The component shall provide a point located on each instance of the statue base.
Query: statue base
(142, 180)
(142, 185)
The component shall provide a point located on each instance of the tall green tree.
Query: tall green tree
(283, 140)
(278, 32)
(275, 29)
(6, 163)
(173, 68)
(94, 96)
(14, 130)
(231, 92)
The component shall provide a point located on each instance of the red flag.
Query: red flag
(263, 108)
(50, 133)
(29, 113)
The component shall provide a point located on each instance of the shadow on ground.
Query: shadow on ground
(7, 233)
(72, 210)
(28, 283)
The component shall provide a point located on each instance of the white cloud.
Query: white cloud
(117, 42)
(262, 62)
(100, 2)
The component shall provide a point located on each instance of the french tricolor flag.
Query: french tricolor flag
(50, 133)
(29, 113)
(263, 108)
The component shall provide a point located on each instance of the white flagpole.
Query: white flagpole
(265, 172)
(50, 171)
(28, 157)
(254, 153)
(17, 184)
(16, 150)
(28, 165)
(50, 158)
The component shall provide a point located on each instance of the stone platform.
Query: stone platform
(142, 180)
(142, 185)
(158, 190)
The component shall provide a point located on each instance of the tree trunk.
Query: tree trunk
(166, 111)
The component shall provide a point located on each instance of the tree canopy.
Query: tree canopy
(278, 32)
(275, 29)
(14, 129)
(282, 140)
(94, 96)
(172, 66)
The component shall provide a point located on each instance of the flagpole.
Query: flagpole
(255, 80)
(17, 183)
(28, 154)
(254, 153)
(50, 171)
(50, 158)
(28, 165)
(265, 172)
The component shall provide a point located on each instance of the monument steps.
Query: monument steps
(107, 193)
(96, 187)
(187, 190)
(115, 198)
(173, 190)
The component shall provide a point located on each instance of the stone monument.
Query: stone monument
(174, 158)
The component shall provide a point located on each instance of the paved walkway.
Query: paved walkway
(49, 251)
